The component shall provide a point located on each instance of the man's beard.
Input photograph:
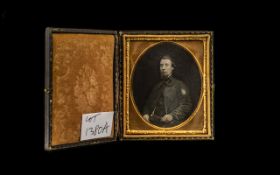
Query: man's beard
(164, 76)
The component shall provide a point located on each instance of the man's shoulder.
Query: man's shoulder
(180, 83)
(181, 87)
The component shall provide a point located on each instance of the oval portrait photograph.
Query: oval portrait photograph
(166, 84)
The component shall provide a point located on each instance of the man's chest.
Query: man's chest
(170, 93)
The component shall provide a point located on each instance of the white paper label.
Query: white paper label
(96, 125)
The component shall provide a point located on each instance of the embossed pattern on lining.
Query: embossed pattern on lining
(82, 81)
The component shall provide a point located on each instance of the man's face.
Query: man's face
(166, 67)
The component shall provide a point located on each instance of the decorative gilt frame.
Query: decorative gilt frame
(207, 87)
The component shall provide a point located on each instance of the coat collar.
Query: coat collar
(168, 81)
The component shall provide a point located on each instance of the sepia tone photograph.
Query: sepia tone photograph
(166, 84)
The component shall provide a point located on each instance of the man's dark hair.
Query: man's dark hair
(168, 57)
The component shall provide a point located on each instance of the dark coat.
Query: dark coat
(170, 96)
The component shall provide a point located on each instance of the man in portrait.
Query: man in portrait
(169, 102)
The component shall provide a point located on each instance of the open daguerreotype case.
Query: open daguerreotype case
(103, 86)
